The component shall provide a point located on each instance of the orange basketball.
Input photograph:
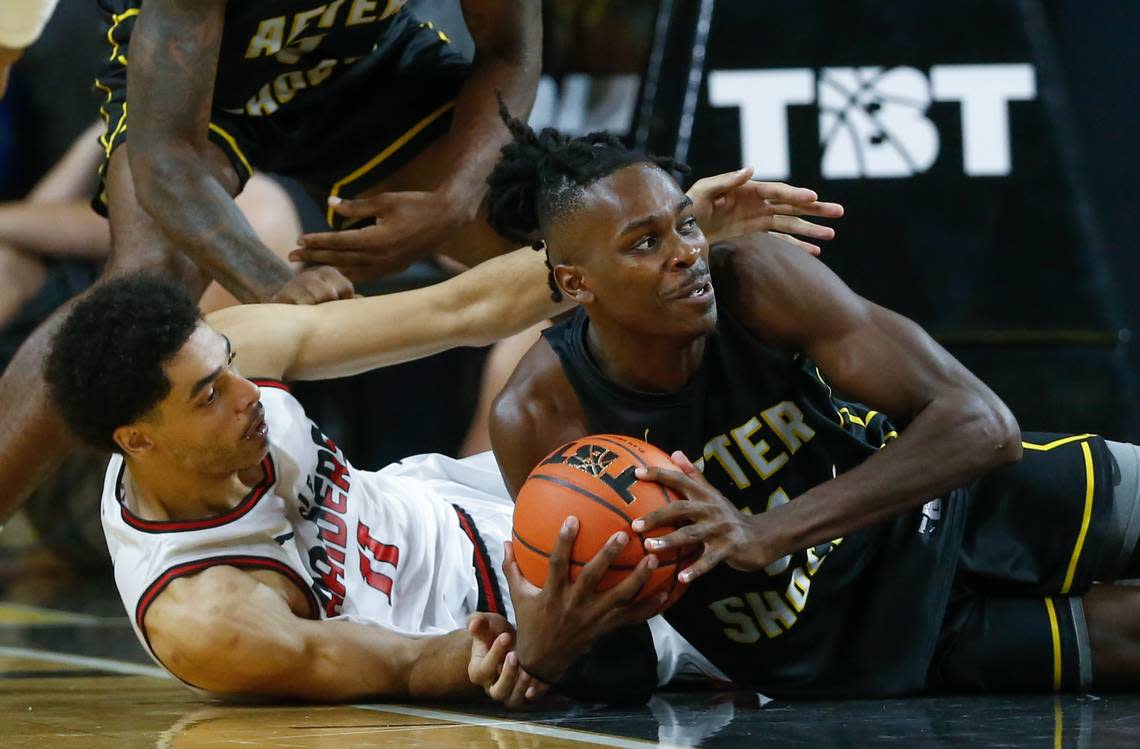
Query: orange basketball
(592, 479)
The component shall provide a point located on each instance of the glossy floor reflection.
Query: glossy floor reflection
(72, 675)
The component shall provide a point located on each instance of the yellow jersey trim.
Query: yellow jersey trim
(1055, 443)
(376, 160)
(1090, 487)
(229, 139)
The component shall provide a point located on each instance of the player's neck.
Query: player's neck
(648, 363)
(163, 493)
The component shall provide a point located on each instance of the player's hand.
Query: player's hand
(495, 667)
(561, 620)
(703, 517)
(409, 226)
(732, 205)
(8, 57)
(313, 286)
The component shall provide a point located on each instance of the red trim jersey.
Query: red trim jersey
(415, 547)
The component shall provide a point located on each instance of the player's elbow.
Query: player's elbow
(156, 177)
(995, 431)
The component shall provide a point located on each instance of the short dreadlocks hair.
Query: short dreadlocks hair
(105, 368)
(540, 177)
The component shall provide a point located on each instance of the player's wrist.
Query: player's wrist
(763, 542)
(461, 198)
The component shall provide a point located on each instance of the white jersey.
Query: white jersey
(415, 547)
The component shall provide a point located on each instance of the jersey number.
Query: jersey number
(379, 553)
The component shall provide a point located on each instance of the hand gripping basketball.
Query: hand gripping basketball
(704, 517)
(560, 621)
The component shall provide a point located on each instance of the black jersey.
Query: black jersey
(764, 427)
(284, 53)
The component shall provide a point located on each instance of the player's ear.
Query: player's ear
(133, 439)
(572, 283)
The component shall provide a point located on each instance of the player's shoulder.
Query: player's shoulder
(537, 389)
(751, 263)
(534, 412)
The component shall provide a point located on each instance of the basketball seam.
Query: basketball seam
(584, 492)
(574, 562)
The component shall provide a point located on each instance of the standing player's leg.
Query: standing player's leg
(33, 438)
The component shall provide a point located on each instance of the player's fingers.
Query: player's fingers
(711, 187)
(823, 210)
(366, 238)
(321, 290)
(558, 566)
(593, 571)
(784, 193)
(647, 609)
(334, 257)
(671, 514)
(711, 557)
(629, 588)
(501, 689)
(537, 689)
(358, 207)
(808, 247)
(517, 698)
(686, 535)
(293, 293)
(801, 227)
(339, 284)
(682, 461)
(675, 480)
(517, 584)
(487, 661)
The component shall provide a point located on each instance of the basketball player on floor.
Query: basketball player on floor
(842, 555)
(252, 557)
(345, 95)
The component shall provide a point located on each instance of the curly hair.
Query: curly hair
(540, 177)
(105, 368)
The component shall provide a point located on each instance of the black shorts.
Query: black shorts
(1038, 533)
(368, 123)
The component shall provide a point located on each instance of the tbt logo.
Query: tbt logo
(872, 120)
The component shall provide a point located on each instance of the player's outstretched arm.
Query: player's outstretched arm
(170, 88)
(491, 301)
(227, 631)
(957, 428)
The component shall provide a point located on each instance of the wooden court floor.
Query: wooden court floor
(73, 676)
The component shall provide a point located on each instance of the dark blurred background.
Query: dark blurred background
(983, 149)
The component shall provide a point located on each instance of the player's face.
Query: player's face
(212, 421)
(641, 258)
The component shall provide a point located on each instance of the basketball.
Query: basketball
(592, 478)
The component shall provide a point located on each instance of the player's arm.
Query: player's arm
(170, 86)
(56, 217)
(227, 631)
(491, 301)
(508, 58)
(536, 412)
(957, 428)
